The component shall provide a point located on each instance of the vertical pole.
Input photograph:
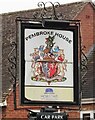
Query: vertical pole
(14, 85)
(80, 88)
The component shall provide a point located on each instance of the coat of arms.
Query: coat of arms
(48, 62)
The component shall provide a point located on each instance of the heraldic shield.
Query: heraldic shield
(48, 62)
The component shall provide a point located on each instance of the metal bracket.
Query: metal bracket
(12, 58)
(48, 13)
(84, 61)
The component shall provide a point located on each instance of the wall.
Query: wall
(87, 16)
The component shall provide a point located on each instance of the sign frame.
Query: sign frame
(38, 25)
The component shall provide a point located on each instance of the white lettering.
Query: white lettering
(45, 117)
(51, 117)
(57, 117)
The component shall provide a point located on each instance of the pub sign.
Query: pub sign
(48, 64)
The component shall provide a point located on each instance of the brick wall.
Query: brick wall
(87, 17)
(9, 112)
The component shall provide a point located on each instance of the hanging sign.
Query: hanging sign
(49, 64)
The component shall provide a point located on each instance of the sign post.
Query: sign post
(48, 65)
(49, 53)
